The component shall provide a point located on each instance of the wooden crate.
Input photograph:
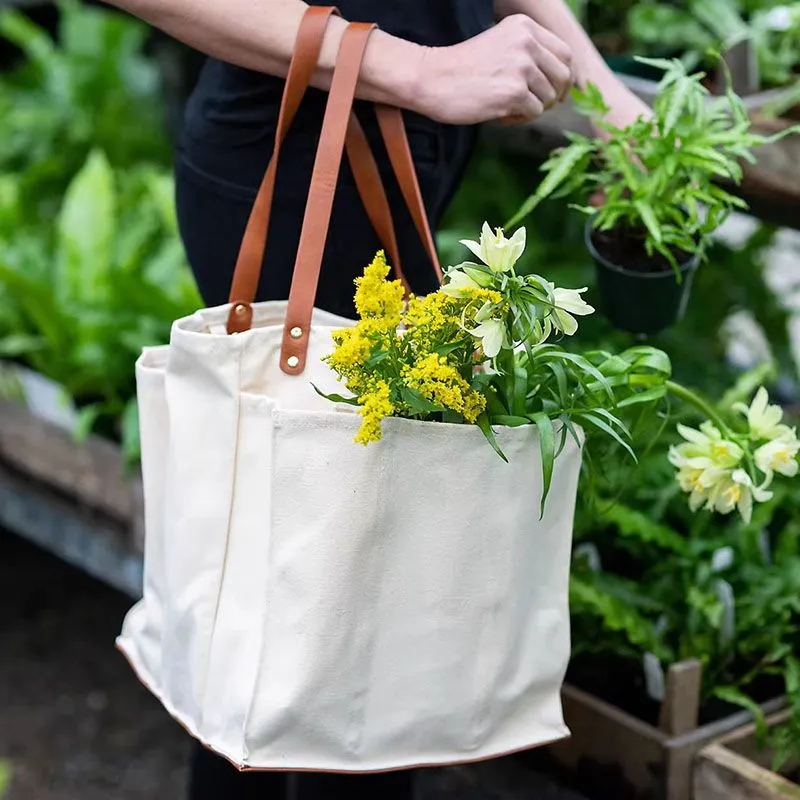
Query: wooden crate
(776, 175)
(75, 499)
(736, 768)
(637, 759)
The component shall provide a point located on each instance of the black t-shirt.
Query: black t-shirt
(231, 116)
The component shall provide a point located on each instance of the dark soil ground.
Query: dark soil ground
(74, 721)
(76, 724)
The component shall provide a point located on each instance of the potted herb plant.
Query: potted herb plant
(666, 184)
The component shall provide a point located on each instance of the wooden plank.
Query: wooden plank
(636, 756)
(96, 544)
(605, 737)
(681, 707)
(93, 472)
(744, 741)
(721, 774)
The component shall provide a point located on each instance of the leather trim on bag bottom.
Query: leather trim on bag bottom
(422, 765)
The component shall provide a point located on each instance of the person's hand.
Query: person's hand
(514, 71)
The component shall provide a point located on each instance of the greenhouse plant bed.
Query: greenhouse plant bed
(633, 759)
(735, 767)
(92, 506)
(776, 174)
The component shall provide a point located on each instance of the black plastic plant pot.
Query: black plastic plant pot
(637, 301)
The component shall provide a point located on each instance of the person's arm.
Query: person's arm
(511, 70)
(587, 64)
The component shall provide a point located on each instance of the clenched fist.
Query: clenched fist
(515, 70)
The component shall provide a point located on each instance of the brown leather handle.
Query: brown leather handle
(247, 271)
(392, 127)
(365, 170)
(320, 198)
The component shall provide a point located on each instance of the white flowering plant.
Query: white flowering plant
(484, 349)
(725, 465)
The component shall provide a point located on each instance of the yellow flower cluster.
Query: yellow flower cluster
(379, 299)
(375, 405)
(378, 362)
(440, 382)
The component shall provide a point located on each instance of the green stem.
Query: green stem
(688, 396)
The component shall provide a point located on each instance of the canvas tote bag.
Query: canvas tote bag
(313, 604)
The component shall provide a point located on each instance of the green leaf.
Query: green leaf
(131, 443)
(19, 344)
(647, 396)
(417, 403)
(602, 425)
(649, 220)
(510, 420)
(86, 232)
(547, 447)
(336, 398)
(558, 169)
(486, 429)
(87, 418)
(6, 775)
(634, 524)
(736, 697)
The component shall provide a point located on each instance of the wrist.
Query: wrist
(394, 71)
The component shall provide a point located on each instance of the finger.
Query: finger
(541, 86)
(558, 74)
(556, 45)
(527, 108)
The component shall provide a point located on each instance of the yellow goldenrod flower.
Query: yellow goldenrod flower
(378, 298)
(440, 382)
(376, 405)
(352, 350)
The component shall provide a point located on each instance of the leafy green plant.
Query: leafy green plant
(79, 305)
(697, 28)
(661, 176)
(89, 87)
(666, 585)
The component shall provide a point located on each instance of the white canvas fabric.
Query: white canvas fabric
(314, 604)
(311, 603)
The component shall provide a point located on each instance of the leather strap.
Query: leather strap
(370, 188)
(365, 171)
(367, 176)
(247, 272)
(320, 199)
(392, 127)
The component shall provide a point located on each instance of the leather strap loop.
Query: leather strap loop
(320, 199)
(365, 170)
(247, 272)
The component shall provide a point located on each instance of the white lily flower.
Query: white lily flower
(707, 442)
(764, 419)
(492, 334)
(737, 492)
(495, 250)
(779, 455)
(567, 303)
(458, 284)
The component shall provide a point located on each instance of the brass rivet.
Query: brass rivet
(296, 333)
(293, 361)
(239, 309)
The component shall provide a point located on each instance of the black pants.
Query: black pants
(215, 191)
